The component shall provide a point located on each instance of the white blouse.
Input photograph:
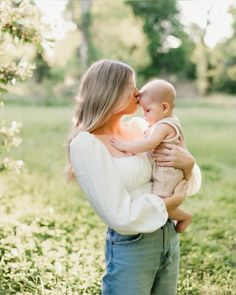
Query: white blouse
(119, 189)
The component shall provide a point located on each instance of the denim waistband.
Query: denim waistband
(169, 223)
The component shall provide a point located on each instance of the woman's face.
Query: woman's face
(133, 102)
(132, 105)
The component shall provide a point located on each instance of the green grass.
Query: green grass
(51, 240)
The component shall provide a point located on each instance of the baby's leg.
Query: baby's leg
(184, 219)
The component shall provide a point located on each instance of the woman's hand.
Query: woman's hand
(172, 155)
(178, 196)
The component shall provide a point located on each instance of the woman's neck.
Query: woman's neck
(112, 127)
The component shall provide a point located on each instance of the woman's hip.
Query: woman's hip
(133, 260)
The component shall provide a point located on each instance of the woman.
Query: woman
(142, 249)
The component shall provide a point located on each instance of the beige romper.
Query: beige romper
(165, 179)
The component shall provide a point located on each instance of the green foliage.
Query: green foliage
(200, 57)
(114, 31)
(43, 69)
(19, 23)
(223, 62)
(53, 243)
(9, 137)
(80, 14)
(18, 18)
(118, 34)
(162, 27)
(215, 67)
(9, 73)
(21, 20)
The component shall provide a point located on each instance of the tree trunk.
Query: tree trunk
(85, 8)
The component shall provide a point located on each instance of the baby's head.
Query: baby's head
(157, 100)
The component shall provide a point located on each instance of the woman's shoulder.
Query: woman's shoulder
(87, 144)
(82, 138)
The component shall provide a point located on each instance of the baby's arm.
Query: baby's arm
(160, 132)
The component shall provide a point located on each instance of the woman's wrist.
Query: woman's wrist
(170, 155)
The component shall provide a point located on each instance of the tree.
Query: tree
(115, 33)
(43, 69)
(118, 34)
(223, 61)
(200, 58)
(169, 46)
(19, 23)
(80, 13)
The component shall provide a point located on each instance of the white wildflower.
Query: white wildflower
(20, 163)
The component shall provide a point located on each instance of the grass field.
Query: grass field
(51, 240)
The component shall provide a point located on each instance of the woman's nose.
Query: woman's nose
(136, 94)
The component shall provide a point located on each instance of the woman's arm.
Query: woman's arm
(100, 180)
(171, 155)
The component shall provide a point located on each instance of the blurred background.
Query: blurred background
(191, 43)
(51, 240)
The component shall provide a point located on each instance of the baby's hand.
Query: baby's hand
(120, 145)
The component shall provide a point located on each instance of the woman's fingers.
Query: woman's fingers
(162, 151)
(165, 164)
(169, 155)
(168, 146)
(164, 158)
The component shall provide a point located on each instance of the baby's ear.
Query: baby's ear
(165, 106)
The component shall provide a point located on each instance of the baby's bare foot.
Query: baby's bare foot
(182, 225)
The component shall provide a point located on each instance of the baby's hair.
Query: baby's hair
(160, 91)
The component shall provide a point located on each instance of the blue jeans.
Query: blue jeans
(142, 264)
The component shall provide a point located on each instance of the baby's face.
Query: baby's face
(152, 110)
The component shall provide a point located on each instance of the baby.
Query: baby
(157, 101)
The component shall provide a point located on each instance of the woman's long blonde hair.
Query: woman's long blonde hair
(104, 90)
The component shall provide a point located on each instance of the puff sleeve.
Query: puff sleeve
(99, 179)
(195, 181)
